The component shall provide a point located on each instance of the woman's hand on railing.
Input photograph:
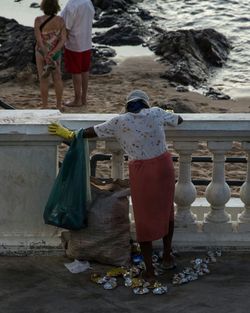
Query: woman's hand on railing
(59, 130)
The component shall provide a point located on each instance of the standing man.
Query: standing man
(78, 16)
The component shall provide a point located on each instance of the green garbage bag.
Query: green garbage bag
(70, 195)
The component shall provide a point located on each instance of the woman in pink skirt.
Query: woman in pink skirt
(141, 134)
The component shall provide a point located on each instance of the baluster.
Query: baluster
(218, 192)
(244, 217)
(117, 161)
(92, 145)
(185, 192)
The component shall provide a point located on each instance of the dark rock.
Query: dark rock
(105, 21)
(190, 54)
(130, 31)
(100, 62)
(118, 36)
(144, 14)
(216, 94)
(100, 67)
(105, 5)
(179, 106)
(34, 5)
(17, 43)
(181, 88)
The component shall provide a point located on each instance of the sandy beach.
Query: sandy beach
(107, 93)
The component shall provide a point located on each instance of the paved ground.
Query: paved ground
(44, 285)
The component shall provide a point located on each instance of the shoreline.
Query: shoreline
(232, 79)
(107, 92)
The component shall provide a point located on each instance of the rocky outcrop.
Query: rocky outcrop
(190, 54)
(17, 44)
(129, 30)
(107, 5)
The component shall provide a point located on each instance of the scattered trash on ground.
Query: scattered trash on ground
(131, 276)
(77, 266)
(199, 267)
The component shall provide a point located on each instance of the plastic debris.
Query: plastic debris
(77, 266)
(117, 271)
(160, 290)
(110, 284)
(131, 275)
(199, 268)
(140, 290)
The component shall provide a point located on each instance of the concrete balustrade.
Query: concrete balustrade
(185, 192)
(29, 165)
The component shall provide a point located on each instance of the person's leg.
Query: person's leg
(44, 82)
(58, 84)
(146, 251)
(77, 83)
(85, 68)
(167, 244)
(85, 80)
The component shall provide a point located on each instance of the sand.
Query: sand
(106, 94)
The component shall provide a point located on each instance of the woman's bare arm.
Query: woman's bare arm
(89, 133)
(63, 36)
(38, 34)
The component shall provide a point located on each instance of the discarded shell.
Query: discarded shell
(140, 291)
(115, 272)
(98, 279)
(110, 284)
(128, 282)
(160, 290)
(218, 253)
(155, 258)
(137, 282)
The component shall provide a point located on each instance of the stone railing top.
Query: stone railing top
(198, 126)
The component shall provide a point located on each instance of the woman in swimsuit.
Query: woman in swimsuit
(50, 33)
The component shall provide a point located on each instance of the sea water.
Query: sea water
(230, 17)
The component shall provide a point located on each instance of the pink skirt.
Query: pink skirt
(152, 184)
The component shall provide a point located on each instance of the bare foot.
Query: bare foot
(148, 276)
(84, 102)
(168, 263)
(72, 104)
(61, 109)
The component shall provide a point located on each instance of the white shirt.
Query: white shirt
(141, 135)
(78, 16)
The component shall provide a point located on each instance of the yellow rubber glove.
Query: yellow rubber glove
(59, 130)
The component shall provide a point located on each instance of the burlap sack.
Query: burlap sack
(107, 236)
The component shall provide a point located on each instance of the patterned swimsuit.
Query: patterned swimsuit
(50, 41)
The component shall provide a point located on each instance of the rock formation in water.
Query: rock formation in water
(17, 43)
(190, 54)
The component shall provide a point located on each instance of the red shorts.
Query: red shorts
(77, 62)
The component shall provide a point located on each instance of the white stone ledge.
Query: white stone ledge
(222, 127)
(37, 168)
